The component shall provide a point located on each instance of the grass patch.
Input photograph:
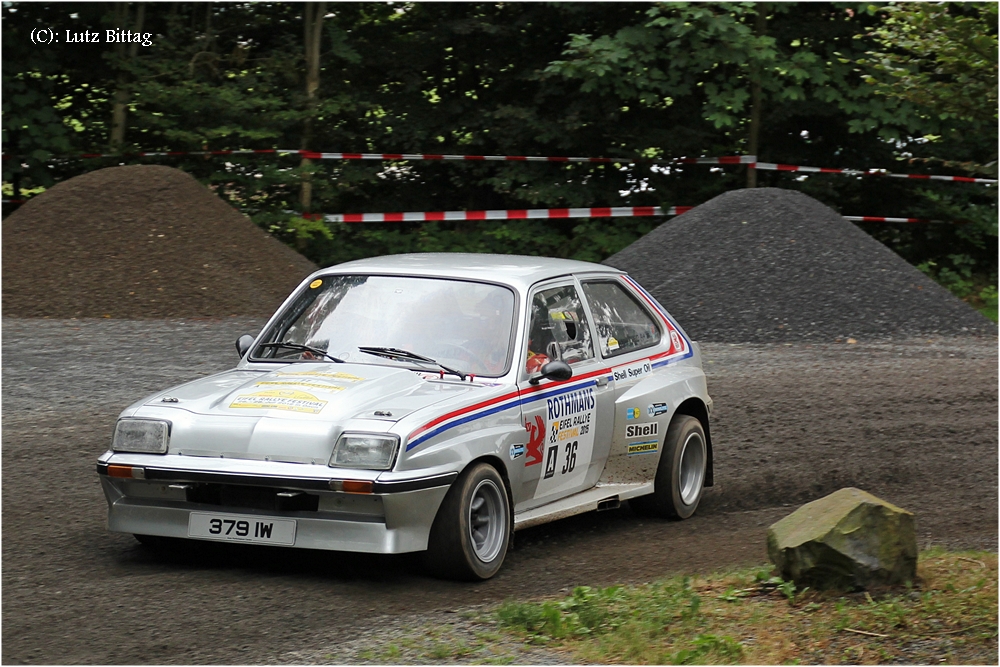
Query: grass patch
(751, 617)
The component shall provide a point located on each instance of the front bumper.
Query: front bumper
(395, 518)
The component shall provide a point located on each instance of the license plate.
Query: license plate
(241, 528)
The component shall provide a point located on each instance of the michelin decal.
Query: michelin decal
(646, 447)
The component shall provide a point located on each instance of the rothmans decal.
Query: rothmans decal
(569, 425)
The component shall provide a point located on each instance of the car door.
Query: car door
(629, 338)
(569, 423)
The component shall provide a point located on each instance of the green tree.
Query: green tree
(942, 58)
(786, 81)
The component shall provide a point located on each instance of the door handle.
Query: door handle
(601, 381)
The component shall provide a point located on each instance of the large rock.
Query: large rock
(848, 539)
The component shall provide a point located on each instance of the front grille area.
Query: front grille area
(253, 497)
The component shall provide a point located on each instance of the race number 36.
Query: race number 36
(570, 457)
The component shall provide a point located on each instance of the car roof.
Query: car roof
(516, 270)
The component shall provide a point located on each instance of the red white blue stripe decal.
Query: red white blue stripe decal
(515, 399)
(462, 416)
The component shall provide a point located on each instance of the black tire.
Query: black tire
(471, 532)
(680, 476)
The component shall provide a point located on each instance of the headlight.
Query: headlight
(142, 436)
(364, 450)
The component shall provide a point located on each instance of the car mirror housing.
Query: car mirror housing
(243, 344)
(554, 370)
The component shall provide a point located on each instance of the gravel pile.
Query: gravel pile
(771, 265)
(141, 242)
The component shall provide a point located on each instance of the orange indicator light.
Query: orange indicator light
(127, 472)
(356, 486)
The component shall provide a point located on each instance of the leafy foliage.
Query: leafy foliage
(750, 616)
(840, 85)
(942, 57)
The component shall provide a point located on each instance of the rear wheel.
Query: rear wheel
(680, 476)
(471, 532)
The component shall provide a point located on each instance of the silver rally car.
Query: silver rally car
(430, 402)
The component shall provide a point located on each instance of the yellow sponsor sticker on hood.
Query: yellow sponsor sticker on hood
(295, 383)
(346, 377)
(280, 399)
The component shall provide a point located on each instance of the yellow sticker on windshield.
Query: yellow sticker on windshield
(316, 283)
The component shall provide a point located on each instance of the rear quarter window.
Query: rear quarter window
(622, 324)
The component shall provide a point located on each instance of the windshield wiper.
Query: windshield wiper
(304, 348)
(405, 355)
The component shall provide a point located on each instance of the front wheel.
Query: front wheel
(680, 476)
(471, 532)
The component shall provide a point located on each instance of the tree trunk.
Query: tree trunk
(313, 13)
(119, 107)
(756, 102)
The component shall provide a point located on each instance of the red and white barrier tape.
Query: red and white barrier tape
(541, 213)
(872, 218)
(509, 214)
(871, 172)
(749, 160)
(262, 151)
(732, 159)
(318, 155)
(529, 214)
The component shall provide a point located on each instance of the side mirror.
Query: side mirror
(243, 344)
(554, 370)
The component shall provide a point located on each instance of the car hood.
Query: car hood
(294, 413)
(319, 391)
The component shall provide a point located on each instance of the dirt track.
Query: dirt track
(913, 422)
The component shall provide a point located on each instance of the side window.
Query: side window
(559, 329)
(622, 324)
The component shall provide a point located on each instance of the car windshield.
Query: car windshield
(462, 324)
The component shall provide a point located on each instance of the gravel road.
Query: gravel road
(913, 421)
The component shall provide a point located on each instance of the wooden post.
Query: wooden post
(756, 98)
(119, 106)
(313, 13)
